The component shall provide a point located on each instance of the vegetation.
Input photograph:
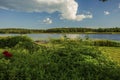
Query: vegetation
(62, 30)
(12, 41)
(108, 43)
(112, 52)
(20, 31)
(87, 41)
(83, 30)
(71, 60)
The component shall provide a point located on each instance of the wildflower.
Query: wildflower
(7, 54)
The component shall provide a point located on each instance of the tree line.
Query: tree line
(116, 29)
(20, 31)
(58, 30)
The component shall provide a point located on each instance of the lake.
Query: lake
(46, 36)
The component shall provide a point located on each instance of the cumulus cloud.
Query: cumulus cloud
(106, 12)
(47, 21)
(67, 8)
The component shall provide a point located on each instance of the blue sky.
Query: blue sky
(42, 14)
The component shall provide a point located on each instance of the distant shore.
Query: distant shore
(115, 30)
(67, 33)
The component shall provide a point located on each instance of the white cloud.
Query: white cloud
(47, 21)
(67, 8)
(106, 12)
(82, 16)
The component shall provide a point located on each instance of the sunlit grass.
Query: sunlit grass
(112, 52)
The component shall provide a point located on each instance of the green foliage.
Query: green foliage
(111, 52)
(12, 41)
(20, 30)
(71, 61)
(60, 30)
(56, 41)
(86, 37)
(30, 46)
(106, 43)
(87, 41)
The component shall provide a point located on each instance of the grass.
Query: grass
(109, 48)
(112, 52)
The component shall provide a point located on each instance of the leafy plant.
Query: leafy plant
(12, 41)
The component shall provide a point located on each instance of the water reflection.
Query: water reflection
(73, 36)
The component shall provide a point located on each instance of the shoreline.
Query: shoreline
(67, 33)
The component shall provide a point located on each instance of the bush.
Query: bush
(56, 41)
(12, 41)
(30, 46)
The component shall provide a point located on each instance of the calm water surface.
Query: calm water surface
(45, 36)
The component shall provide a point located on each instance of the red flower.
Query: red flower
(7, 54)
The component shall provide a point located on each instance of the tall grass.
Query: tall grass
(108, 43)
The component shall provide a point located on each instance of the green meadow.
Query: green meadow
(59, 59)
(112, 52)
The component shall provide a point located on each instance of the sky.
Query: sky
(44, 14)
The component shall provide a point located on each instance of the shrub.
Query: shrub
(12, 41)
(30, 46)
(56, 41)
